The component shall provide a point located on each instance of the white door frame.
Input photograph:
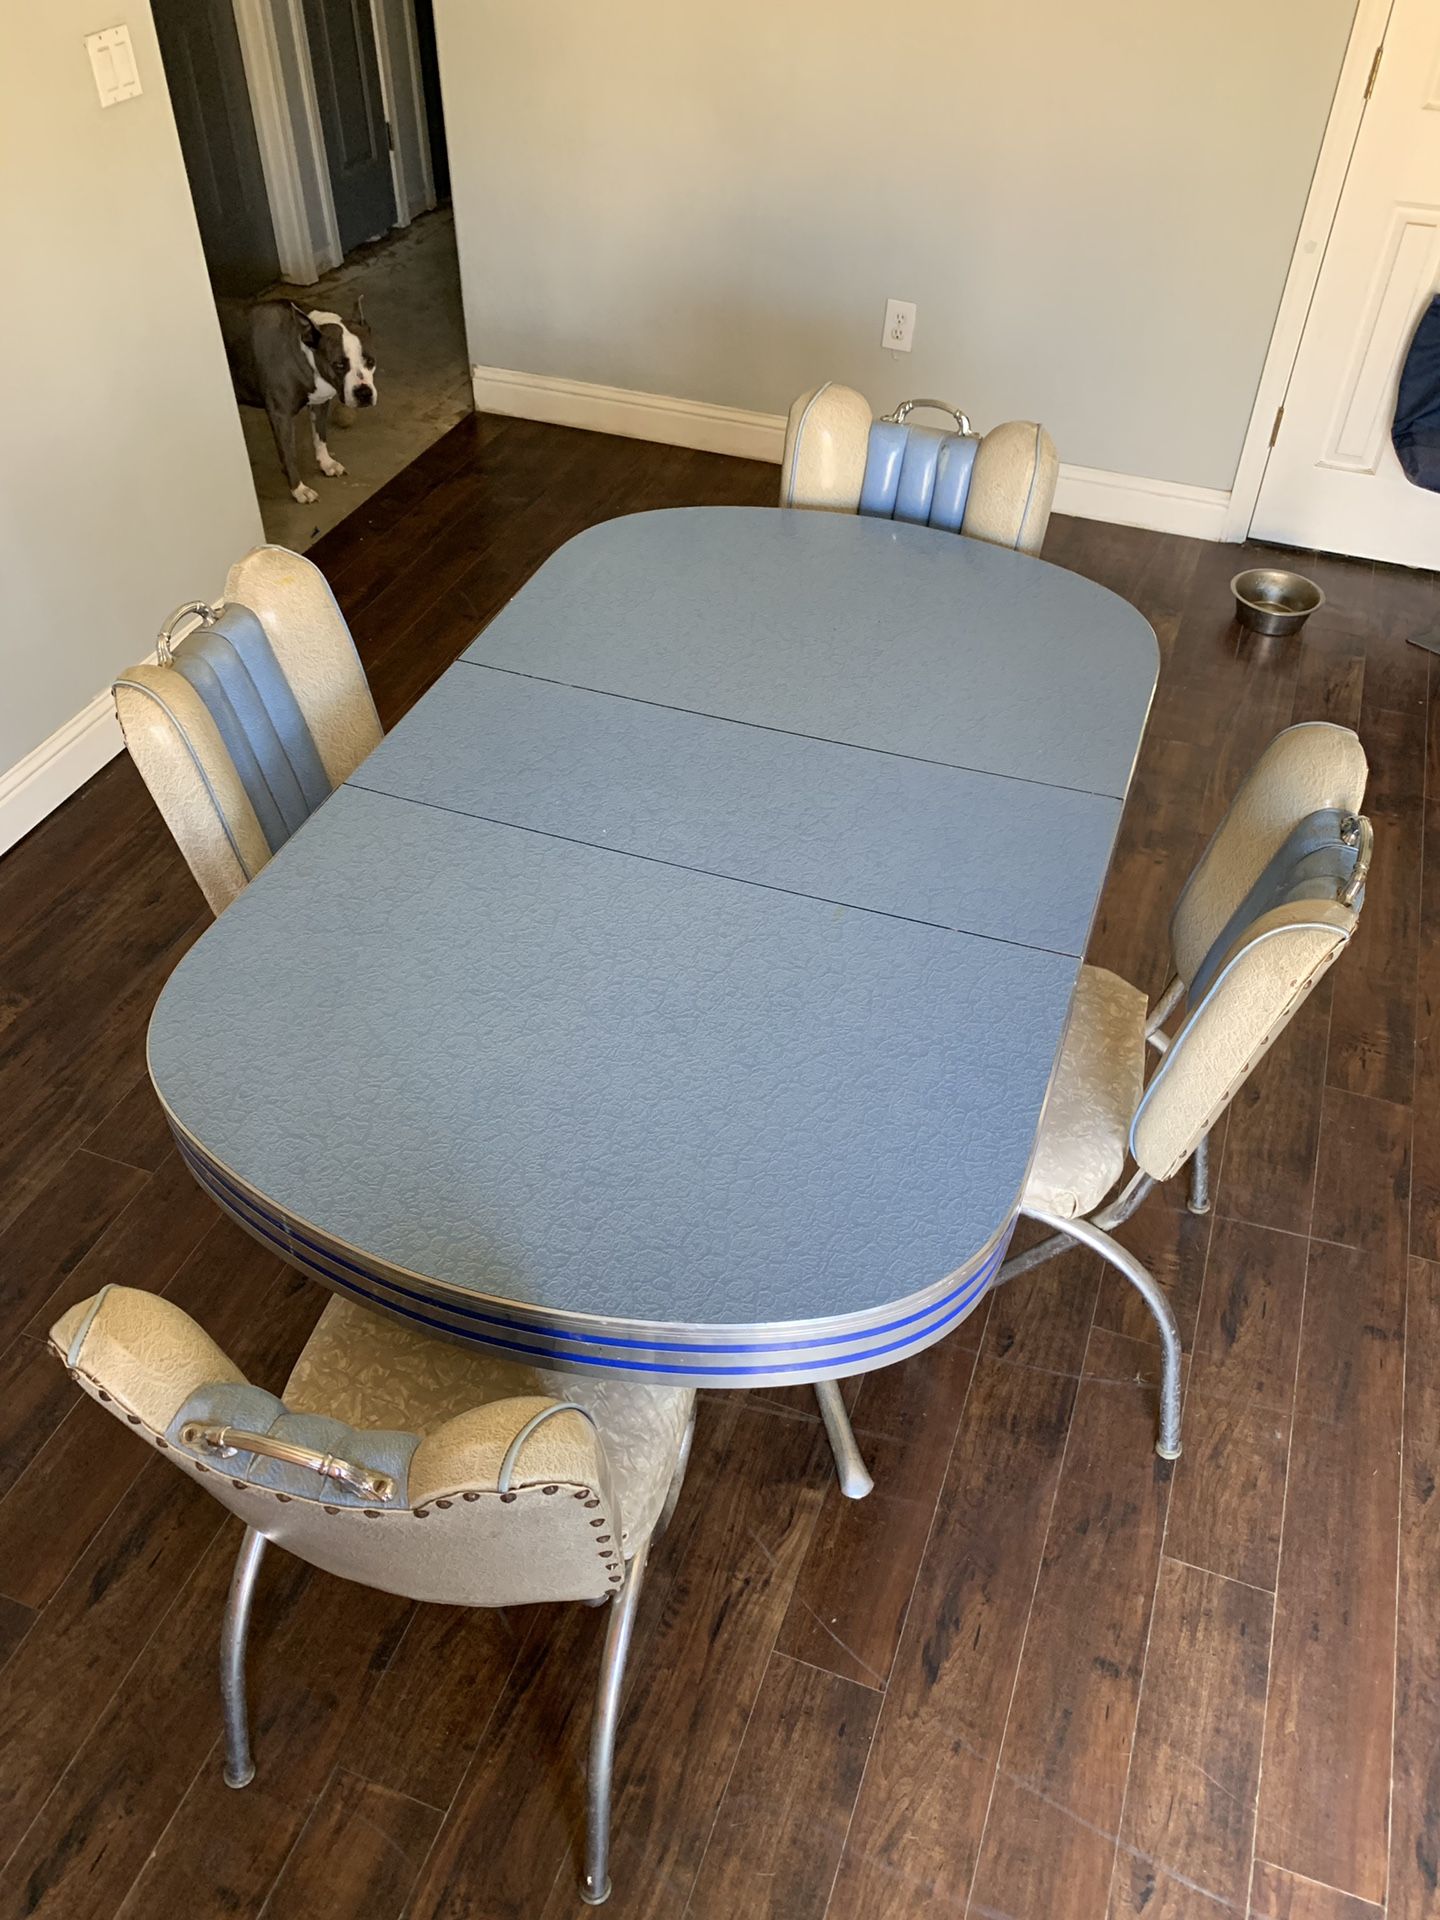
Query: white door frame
(292, 142)
(1347, 110)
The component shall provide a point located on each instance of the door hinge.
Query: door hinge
(1374, 69)
(1275, 430)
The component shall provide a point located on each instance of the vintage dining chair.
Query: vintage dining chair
(531, 1485)
(1269, 908)
(839, 460)
(245, 724)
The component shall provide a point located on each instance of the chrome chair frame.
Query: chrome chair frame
(619, 1631)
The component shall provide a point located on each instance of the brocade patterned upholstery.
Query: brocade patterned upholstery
(1080, 1153)
(369, 1370)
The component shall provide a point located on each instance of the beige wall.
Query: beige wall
(124, 486)
(1093, 202)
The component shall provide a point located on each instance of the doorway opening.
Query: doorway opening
(313, 137)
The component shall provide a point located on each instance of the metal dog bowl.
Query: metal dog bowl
(1273, 601)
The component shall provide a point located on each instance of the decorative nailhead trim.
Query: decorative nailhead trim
(162, 1443)
(550, 1489)
(582, 1493)
(332, 1509)
(597, 1523)
(372, 1513)
(199, 1466)
(470, 1496)
(602, 1539)
(508, 1497)
(133, 1418)
(594, 1501)
(422, 1513)
(101, 1394)
(283, 1498)
(444, 1503)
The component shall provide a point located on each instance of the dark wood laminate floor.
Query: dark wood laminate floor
(1038, 1676)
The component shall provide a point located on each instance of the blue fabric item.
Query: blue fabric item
(952, 481)
(883, 460)
(917, 475)
(253, 1410)
(1313, 864)
(1416, 431)
(233, 669)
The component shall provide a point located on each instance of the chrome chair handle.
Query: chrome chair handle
(907, 407)
(200, 610)
(226, 1442)
(1356, 831)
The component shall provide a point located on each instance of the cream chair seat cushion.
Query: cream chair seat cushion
(372, 1371)
(1081, 1150)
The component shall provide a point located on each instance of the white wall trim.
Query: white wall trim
(58, 767)
(1168, 506)
(260, 51)
(305, 121)
(1347, 110)
(385, 60)
(1131, 500)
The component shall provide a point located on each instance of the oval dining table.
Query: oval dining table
(674, 993)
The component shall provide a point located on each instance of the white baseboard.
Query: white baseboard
(1128, 500)
(58, 767)
(638, 416)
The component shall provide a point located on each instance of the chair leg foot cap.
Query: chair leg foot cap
(239, 1779)
(591, 1898)
(1167, 1453)
(1203, 1208)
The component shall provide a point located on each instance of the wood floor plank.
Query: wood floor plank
(1362, 1187)
(1272, 1136)
(1229, 1487)
(1172, 1242)
(850, 1599)
(35, 1396)
(1278, 1895)
(358, 1856)
(1042, 1319)
(55, 1688)
(135, 1130)
(1415, 1797)
(317, 1646)
(1332, 1676)
(782, 1824)
(1372, 1027)
(1186, 1841)
(1425, 1195)
(59, 1227)
(918, 1820)
(1049, 1841)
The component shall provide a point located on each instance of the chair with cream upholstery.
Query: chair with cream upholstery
(1269, 908)
(839, 460)
(532, 1485)
(249, 721)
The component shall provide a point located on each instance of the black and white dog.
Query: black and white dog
(285, 359)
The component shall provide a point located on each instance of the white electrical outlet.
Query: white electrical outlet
(899, 335)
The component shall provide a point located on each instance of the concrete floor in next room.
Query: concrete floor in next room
(411, 287)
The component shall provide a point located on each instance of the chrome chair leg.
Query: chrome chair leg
(1145, 1284)
(1200, 1177)
(595, 1885)
(855, 1481)
(234, 1635)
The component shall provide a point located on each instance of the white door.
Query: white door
(1332, 479)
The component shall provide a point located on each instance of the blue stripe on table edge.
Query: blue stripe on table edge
(275, 1232)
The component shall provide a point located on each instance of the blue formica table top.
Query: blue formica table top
(676, 990)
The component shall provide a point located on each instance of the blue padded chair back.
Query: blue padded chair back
(232, 668)
(918, 474)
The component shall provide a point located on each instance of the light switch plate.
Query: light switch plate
(112, 60)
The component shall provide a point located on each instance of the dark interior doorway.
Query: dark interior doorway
(430, 86)
(206, 77)
(352, 117)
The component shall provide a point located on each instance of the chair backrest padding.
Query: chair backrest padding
(452, 1531)
(826, 436)
(258, 717)
(301, 619)
(1311, 768)
(179, 754)
(1256, 989)
(1012, 487)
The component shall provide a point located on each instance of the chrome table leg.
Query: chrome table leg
(855, 1481)
(595, 1885)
